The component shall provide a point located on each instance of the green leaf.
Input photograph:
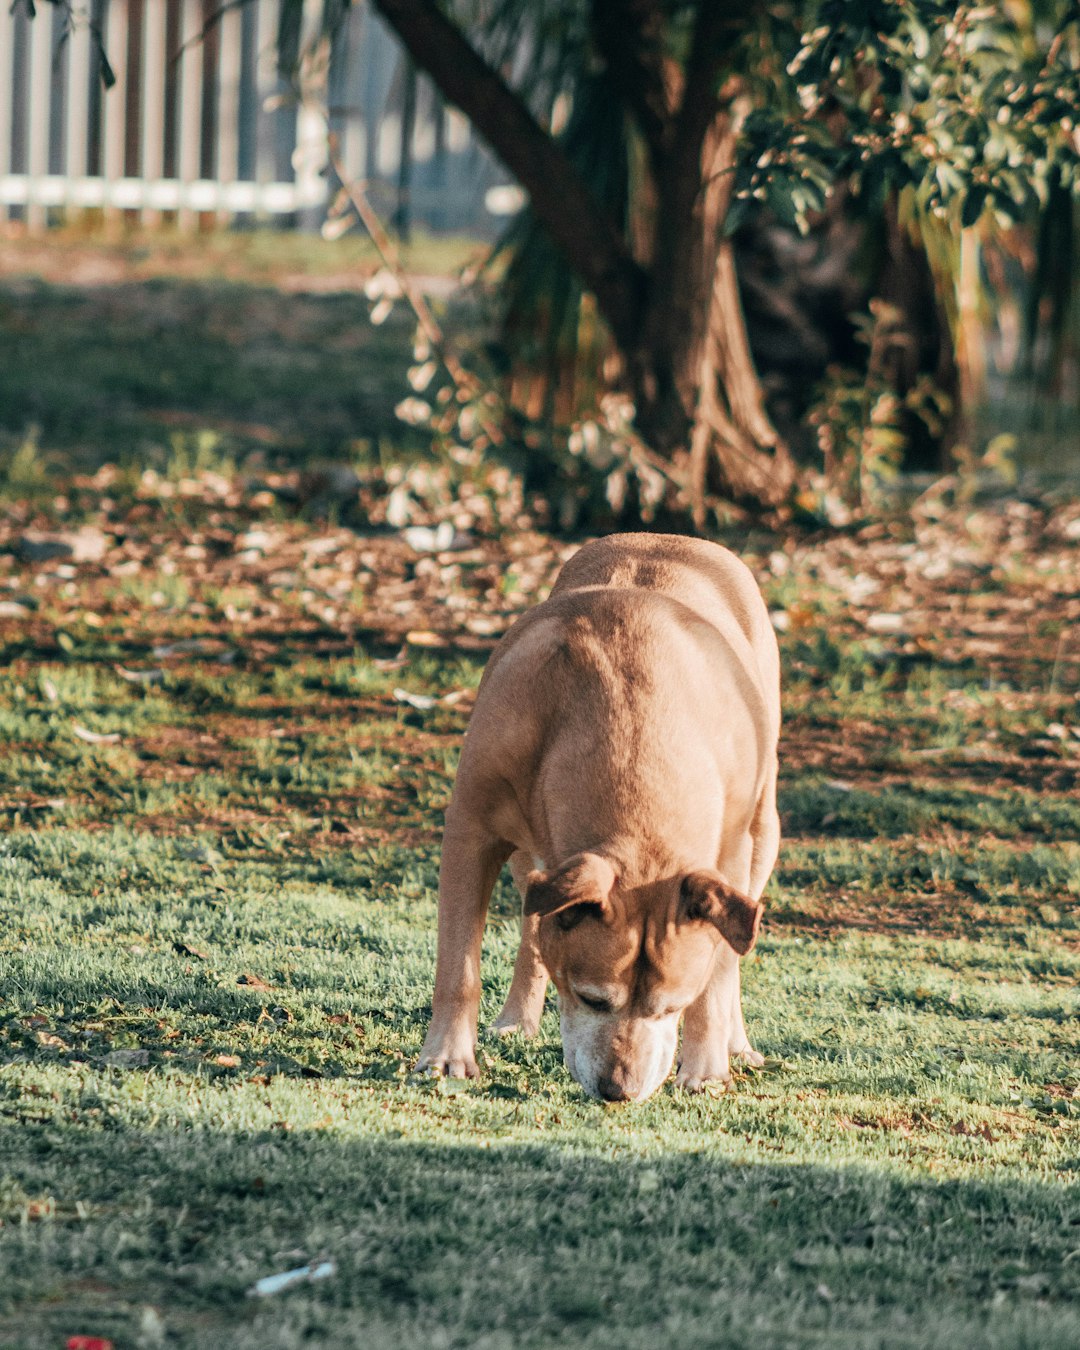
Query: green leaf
(737, 213)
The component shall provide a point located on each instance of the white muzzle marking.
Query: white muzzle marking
(588, 1047)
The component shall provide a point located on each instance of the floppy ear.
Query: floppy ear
(707, 897)
(584, 879)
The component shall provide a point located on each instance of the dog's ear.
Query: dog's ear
(584, 879)
(707, 898)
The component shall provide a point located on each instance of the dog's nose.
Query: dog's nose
(613, 1091)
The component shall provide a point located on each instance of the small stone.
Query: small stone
(36, 546)
(83, 545)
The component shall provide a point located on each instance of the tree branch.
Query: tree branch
(559, 198)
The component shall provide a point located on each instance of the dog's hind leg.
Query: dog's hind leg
(467, 874)
(713, 1029)
(525, 1002)
(765, 832)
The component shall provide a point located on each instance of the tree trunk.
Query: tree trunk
(694, 380)
(731, 425)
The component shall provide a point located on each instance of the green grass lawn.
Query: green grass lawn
(217, 926)
(123, 351)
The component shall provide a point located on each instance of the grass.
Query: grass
(99, 354)
(217, 946)
(216, 964)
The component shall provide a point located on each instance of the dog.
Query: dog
(622, 755)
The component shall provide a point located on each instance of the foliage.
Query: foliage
(861, 420)
(975, 106)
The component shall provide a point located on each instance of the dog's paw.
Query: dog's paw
(513, 1023)
(698, 1072)
(701, 1078)
(447, 1062)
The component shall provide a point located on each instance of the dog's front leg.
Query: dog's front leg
(713, 1029)
(524, 1004)
(467, 873)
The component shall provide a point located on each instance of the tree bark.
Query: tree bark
(753, 463)
(702, 388)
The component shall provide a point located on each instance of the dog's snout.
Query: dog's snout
(615, 1088)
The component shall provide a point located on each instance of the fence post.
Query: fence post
(309, 153)
(114, 106)
(154, 60)
(190, 108)
(266, 85)
(230, 56)
(76, 107)
(38, 111)
(353, 149)
(7, 69)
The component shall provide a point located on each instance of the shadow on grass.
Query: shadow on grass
(516, 1245)
(816, 809)
(117, 367)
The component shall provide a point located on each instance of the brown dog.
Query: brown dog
(622, 755)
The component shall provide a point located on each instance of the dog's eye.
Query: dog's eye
(600, 1005)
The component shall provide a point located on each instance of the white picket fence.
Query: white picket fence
(200, 129)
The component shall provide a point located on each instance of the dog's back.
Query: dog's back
(652, 661)
(701, 575)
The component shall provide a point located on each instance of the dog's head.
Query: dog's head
(628, 962)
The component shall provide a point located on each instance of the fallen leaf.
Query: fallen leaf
(95, 737)
(140, 676)
(423, 539)
(425, 702)
(422, 701)
(253, 982)
(227, 1061)
(37, 546)
(885, 623)
(186, 949)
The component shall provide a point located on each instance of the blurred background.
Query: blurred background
(899, 212)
